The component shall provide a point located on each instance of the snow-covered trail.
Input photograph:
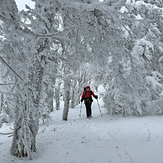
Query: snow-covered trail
(99, 140)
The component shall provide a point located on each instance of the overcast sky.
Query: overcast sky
(21, 4)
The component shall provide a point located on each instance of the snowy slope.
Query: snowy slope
(99, 140)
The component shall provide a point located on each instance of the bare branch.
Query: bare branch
(11, 68)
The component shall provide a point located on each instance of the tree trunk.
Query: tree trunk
(24, 137)
(49, 90)
(50, 99)
(57, 96)
(66, 99)
(73, 99)
(2, 102)
(25, 131)
(26, 124)
(73, 104)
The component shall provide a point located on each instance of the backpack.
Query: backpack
(85, 91)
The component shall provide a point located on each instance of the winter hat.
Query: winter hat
(88, 87)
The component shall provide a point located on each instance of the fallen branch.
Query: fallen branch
(6, 133)
(42, 131)
(10, 135)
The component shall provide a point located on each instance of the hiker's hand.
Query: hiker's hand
(82, 100)
(96, 97)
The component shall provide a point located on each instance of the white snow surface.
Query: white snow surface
(107, 139)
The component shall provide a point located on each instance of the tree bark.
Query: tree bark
(2, 102)
(50, 99)
(73, 104)
(57, 96)
(25, 131)
(26, 124)
(66, 99)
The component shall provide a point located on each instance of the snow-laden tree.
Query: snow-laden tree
(26, 47)
(130, 87)
(147, 51)
(10, 55)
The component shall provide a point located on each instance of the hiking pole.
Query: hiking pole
(80, 109)
(99, 107)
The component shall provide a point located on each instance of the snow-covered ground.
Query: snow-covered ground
(104, 139)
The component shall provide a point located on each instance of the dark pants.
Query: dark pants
(88, 104)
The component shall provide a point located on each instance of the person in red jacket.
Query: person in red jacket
(87, 96)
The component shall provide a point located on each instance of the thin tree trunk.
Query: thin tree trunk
(49, 89)
(66, 99)
(2, 102)
(57, 97)
(73, 99)
(50, 100)
(73, 95)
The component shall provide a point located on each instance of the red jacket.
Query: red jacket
(88, 94)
